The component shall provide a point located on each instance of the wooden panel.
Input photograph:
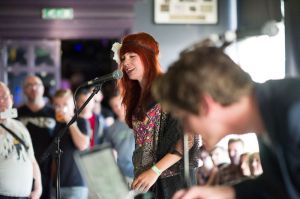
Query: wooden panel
(75, 3)
(63, 34)
(92, 19)
(80, 12)
(29, 24)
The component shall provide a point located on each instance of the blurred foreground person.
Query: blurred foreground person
(20, 175)
(213, 96)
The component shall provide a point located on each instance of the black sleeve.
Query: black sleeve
(84, 126)
(169, 134)
(259, 188)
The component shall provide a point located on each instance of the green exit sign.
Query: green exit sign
(57, 13)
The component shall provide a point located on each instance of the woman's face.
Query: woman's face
(133, 66)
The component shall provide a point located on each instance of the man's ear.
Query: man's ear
(208, 104)
(12, 98)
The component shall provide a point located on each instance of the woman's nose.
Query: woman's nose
(125, 62)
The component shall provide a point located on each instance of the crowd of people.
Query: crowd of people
(204, 95)
(24, 172)
(243, 165)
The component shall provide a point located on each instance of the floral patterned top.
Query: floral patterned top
(155, 137)
(146, 136)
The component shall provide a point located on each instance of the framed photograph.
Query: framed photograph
(185, 11)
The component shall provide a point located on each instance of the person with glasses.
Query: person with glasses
(39, 118)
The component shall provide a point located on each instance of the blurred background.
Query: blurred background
(67, 42)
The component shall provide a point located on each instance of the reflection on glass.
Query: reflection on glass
(15, 82)
(43, 56)
(16, 55)
(49, 83)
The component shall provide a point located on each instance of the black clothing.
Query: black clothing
(279, 103)
(170, 133)
(40, 125)
(69, 173)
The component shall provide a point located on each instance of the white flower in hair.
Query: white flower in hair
(116, 48)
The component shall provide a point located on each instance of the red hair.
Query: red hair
(135, 99)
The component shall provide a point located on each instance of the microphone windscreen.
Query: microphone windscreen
(117, 74)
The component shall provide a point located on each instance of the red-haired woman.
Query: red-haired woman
(157, 155)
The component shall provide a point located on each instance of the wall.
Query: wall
(174, 38)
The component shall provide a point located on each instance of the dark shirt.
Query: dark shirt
(229, 175)
(70, 175)
(40, 125)
(279, 104)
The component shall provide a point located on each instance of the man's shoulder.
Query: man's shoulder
(23, 108)
(119, 126)
(15, 124)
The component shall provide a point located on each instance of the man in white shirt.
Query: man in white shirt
(18, 166)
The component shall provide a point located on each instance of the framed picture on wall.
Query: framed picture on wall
(185, 11)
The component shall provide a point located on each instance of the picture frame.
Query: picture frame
(185, 11)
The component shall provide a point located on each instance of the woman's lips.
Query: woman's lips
(129, 70)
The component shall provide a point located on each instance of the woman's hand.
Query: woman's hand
(144, 181)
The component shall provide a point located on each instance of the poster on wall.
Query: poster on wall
(185, 11)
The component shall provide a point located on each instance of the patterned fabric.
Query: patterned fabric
(16, 171)
(156, 136)
(146, 136)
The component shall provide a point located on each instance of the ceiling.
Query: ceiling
(92, 19)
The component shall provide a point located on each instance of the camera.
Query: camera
(9, 113)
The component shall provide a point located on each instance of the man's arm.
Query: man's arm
(206, 192)
(80, 140)
(37, 186)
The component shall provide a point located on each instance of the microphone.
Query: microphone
(117, 74)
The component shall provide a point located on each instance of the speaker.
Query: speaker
(258, 17)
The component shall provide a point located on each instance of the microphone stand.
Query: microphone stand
(55, 145)
(186, 163)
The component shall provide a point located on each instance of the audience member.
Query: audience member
(19, 172)
(38, 116)
(76, 138)
(102, 111)
(244, 164)
(219, 156)
(255, 164)
(94, 121)
(121, 137)
(231, 173)
(206, 174)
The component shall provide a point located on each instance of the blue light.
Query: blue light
(78, 47)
